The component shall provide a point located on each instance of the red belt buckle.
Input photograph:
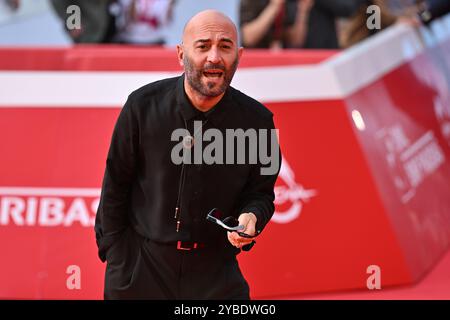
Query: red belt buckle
(180, 246)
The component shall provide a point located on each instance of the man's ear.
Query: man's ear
(180, 54)
(240, 50)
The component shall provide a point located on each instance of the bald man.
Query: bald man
(151, 225)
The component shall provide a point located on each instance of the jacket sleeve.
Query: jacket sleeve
(112, 213)
(258, 195)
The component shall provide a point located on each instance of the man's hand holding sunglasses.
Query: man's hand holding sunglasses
(248, 220)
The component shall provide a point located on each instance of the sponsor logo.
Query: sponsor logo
(48, 207)
(442, 111)
(53, 207)
(290, 196)
(410, 161)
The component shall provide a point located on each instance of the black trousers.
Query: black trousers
(138, 268)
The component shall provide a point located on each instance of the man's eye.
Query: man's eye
(226, 46)
(202, 46)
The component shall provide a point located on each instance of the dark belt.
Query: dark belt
(189, 245)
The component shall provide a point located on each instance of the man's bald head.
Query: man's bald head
(209, 19)
(209, 54)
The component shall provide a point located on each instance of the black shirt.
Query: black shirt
(141, 184)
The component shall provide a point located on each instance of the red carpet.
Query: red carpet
(434, 286)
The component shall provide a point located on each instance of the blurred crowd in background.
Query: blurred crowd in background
(275, 24)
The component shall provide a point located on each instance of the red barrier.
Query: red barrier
(365, 137)
(131, 58)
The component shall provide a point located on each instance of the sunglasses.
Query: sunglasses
(229, 223)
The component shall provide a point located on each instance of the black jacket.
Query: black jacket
(141, 184)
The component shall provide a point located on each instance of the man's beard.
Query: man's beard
(194, 77)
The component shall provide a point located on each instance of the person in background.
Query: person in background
(142, 21)
(322, 33)
(432, 9)
(274, 23)
(97, 24)
(391, 12)
(13, 4)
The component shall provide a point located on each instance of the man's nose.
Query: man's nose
(214, 55)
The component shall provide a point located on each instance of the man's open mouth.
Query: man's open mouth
(213, 73)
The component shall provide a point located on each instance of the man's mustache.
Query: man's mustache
(213, 66)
